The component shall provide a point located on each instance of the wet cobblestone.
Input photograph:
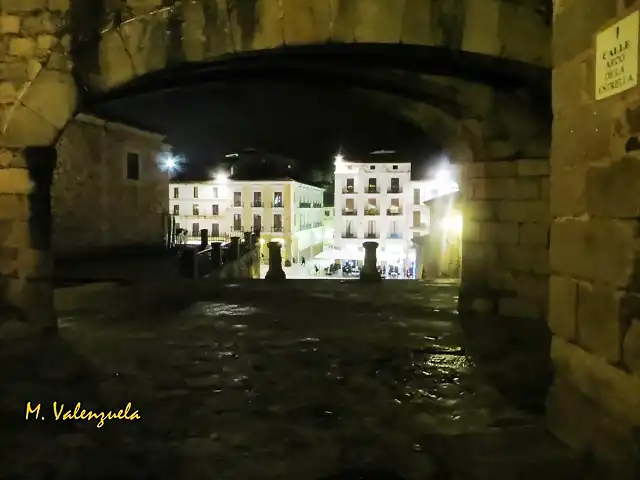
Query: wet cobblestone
(307, 380)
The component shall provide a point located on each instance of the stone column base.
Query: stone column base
(275, 274)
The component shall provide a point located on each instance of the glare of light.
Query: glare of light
(443, 177)
(167, 162)
(339, 158)
(231, 155)
(452, 223)
(222, 177)
(261, 241)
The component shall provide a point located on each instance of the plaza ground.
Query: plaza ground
(302, 380)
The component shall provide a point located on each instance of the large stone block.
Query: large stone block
(599, 324)
(519, 307)
(631, 347)
(613, 390)
(597, 249)
(569, 82)
(501, 233)
(523, 211)
(575, 25)
(568, 191)
(533, 167)
(580, 136)
(524, 259)
(612, 190)
(523, 188)
(563, 300)
(479, 210)
(489, 188)
(534, 233)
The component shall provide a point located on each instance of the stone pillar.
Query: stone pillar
(369, 270)
(204, 239)
(235, 248)
(26, 266)
(275, 262)
(216, 255)
(247, 239)
(594, 289)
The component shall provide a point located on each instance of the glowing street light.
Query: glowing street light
(339, 158)
(222, 177)
(167, 162)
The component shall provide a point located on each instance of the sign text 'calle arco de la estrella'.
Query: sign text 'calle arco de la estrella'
(617, 57)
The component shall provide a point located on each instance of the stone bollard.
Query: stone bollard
(247, 239)
(204, 239)
(369, 271)
(275, 271)
(216, 255)
(235, 248)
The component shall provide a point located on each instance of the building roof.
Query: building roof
(120, 125)
(378, 156)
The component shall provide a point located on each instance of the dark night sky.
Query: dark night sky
(307, 123)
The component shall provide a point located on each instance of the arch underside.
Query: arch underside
(103, 48)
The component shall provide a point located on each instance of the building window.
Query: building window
(195, 229)
(176, 209)
(257, 199)
(372, 186)
(277, 199)
(416, 196)
(257, 222)
(395, 185)
(277, 222)
(133, 166)
(215, 192)
(195, 192)
(373, 167)
(215, 229)
(237, 222)
(196, 209)
(350, 186)
(215, 209)
(371, 228)
(395, 167)
(237, 199)
(175, 192)
(416, 219)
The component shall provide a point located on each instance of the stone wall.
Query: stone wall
(505, 274)
(505, 265)
(594, 307)
(94, 206)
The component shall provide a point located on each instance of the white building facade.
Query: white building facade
(379, 202)
(283, 210)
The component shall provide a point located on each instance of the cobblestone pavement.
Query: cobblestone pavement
(304, 380)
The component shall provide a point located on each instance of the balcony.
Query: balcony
(394, 190)
(348, 190)
(259, 204)
(277, 205)
(237, 204)
(372, 235)
(277, 229)
(348, 235)
(349, 211)
(372, 190)
(419, 226)
(317, 205)
(397, 236)
(372, 211)
(394, 212)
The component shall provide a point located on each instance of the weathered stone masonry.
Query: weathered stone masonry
(594, 308)
(506, 238)
(95, 207)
